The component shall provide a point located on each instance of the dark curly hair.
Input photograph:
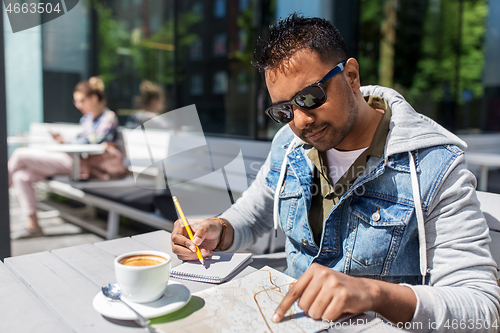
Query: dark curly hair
(295, 33)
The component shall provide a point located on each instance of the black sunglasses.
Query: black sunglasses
(309, 98)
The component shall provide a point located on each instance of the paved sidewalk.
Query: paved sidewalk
(58, 233)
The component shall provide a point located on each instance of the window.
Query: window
(243, 4)
(220, 83)
(220, 41)
(196, 50)
(242, 81)
(242, 40)
(198, 8)
(197, 85)
(219, 8)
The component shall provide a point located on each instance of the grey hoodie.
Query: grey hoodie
(462, 295)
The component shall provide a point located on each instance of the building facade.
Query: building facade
(441, 54)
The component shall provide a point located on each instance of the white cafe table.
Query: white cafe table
(75, 150)
(23, 140)
(53, 291)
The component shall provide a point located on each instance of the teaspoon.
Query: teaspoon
(112, 292)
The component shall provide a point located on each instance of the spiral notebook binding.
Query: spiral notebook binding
(198, 278)
(221, 267)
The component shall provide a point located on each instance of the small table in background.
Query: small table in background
(24, 140)
(75, 150)
(484, 160)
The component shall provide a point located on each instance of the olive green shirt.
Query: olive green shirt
(329, 194)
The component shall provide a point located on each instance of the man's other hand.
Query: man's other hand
(326, 294)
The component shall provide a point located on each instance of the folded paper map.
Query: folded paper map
(242, 305)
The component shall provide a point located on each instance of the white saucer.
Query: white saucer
(175, 297)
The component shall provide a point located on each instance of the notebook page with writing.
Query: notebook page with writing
(219, 268)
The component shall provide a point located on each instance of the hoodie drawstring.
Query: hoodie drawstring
(276, 212)
(422, 247)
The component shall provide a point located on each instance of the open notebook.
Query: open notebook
(221, 267)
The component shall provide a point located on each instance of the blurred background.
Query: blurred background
(442, 55)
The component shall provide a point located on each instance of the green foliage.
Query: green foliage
(435, 49)
(372, 11)
(247, 24)
(437, 65)
(111, 38)
(154, 56)
(371, 18)
(151, 57)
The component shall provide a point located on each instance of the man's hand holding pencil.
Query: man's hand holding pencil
(206, 235)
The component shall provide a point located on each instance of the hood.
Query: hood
(409, 130)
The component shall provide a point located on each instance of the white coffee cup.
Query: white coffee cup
(144, 283)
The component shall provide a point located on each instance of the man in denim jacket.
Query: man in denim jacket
(377, 204)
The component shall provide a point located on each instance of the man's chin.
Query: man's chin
(320, 146)
(323, 144)
(324, 141)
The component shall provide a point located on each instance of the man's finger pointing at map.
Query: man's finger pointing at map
(294, 293)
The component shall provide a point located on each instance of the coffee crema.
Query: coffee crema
(143, 260)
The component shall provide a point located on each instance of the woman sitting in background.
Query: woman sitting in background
(151, 103)
(29, 165)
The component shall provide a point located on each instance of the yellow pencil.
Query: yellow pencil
(188, 228)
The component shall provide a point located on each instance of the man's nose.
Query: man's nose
(302, 118)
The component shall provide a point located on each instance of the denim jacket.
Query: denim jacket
(373, 231)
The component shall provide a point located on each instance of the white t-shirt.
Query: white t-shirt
(340, 161)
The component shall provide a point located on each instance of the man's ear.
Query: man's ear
(351, 72)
